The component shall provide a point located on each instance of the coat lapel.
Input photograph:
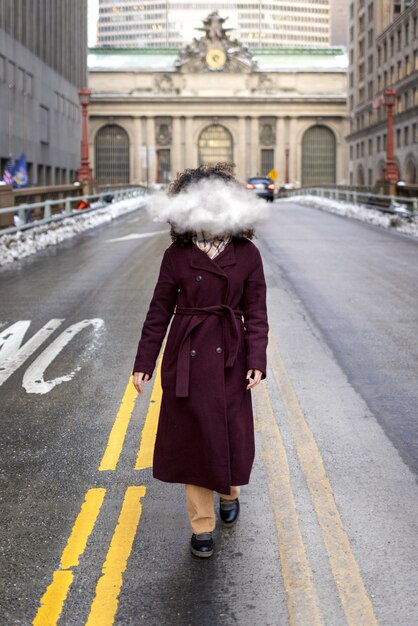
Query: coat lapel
(200, 260)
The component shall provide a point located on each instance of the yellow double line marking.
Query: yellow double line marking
(117, 435)
(105, 603)
(296, 571)
(54, 597)
(302, 599)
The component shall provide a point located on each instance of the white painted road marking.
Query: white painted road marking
(12, 353)
(137, 236)
(33, 379)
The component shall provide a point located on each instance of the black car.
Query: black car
(263, 186)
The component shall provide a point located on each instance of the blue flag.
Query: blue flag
(8, 171)
(20, 173)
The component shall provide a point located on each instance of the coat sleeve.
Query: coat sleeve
(255, 317)
(159, 315)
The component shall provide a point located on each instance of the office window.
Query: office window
(44, 124)
(20, 79)
(11, 69)
(398, 138)
(28, 84)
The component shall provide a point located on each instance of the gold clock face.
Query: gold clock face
(215, 58)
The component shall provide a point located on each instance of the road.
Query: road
(328, 530)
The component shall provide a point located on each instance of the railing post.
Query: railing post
(47, 210)
(22, 212)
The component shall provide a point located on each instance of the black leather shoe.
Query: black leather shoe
(202, 545)
(229, 511)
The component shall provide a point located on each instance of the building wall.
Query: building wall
(174, 23)
(339, 22)
(383, 53)
(235, 101)
(54, 31)
(39, 80)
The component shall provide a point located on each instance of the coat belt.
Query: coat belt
(197, 316)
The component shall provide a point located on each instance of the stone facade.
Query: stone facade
(215, 99)
(383, 53)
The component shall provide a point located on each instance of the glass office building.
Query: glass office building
(172, 23)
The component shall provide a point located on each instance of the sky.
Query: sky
(93, 14)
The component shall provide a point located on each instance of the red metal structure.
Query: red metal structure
(85, 173)
(391, 171)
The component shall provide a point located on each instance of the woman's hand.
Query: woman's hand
(256, 376)
(140, 379)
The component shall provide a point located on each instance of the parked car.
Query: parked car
(262, 186)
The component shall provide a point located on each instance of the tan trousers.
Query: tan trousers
(201, 507)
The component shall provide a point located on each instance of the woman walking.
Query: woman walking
(211, 286)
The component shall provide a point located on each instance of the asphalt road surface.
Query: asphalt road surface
(328, 532)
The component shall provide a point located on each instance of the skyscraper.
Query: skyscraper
(144, 23)
(43, 63)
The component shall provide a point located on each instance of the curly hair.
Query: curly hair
(221, 170)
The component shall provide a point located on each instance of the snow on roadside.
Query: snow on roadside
(361, 213)
(18, 245)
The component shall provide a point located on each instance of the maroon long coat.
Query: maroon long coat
(219, 331)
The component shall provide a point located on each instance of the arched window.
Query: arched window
(215, 144)
(112, 155)
(318, 156)
(411, 172)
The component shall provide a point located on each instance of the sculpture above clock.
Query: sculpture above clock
(215, 51)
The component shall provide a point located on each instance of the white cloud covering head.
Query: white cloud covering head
(210, 200)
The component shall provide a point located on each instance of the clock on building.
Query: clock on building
(215, 59)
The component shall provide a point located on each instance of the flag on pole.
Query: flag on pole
(377, 102)
(8, 171)
(20, 173)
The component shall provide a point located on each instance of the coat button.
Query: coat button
(193, 352)
(198, 278)
(219, 350)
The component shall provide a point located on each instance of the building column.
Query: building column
(254, 147)
(176, 148)
(152, 162)
(240, 151)
(280, 156)
(248, 147)
(136, 174)
(295, 174)
(189, 147)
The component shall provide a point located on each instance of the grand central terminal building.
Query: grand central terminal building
(155, 112)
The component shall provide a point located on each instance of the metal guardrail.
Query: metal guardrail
(67, 208)
(396, 205)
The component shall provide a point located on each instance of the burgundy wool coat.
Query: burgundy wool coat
(218, 332)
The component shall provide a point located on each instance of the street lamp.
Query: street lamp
(85, 173)
(391, 171)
